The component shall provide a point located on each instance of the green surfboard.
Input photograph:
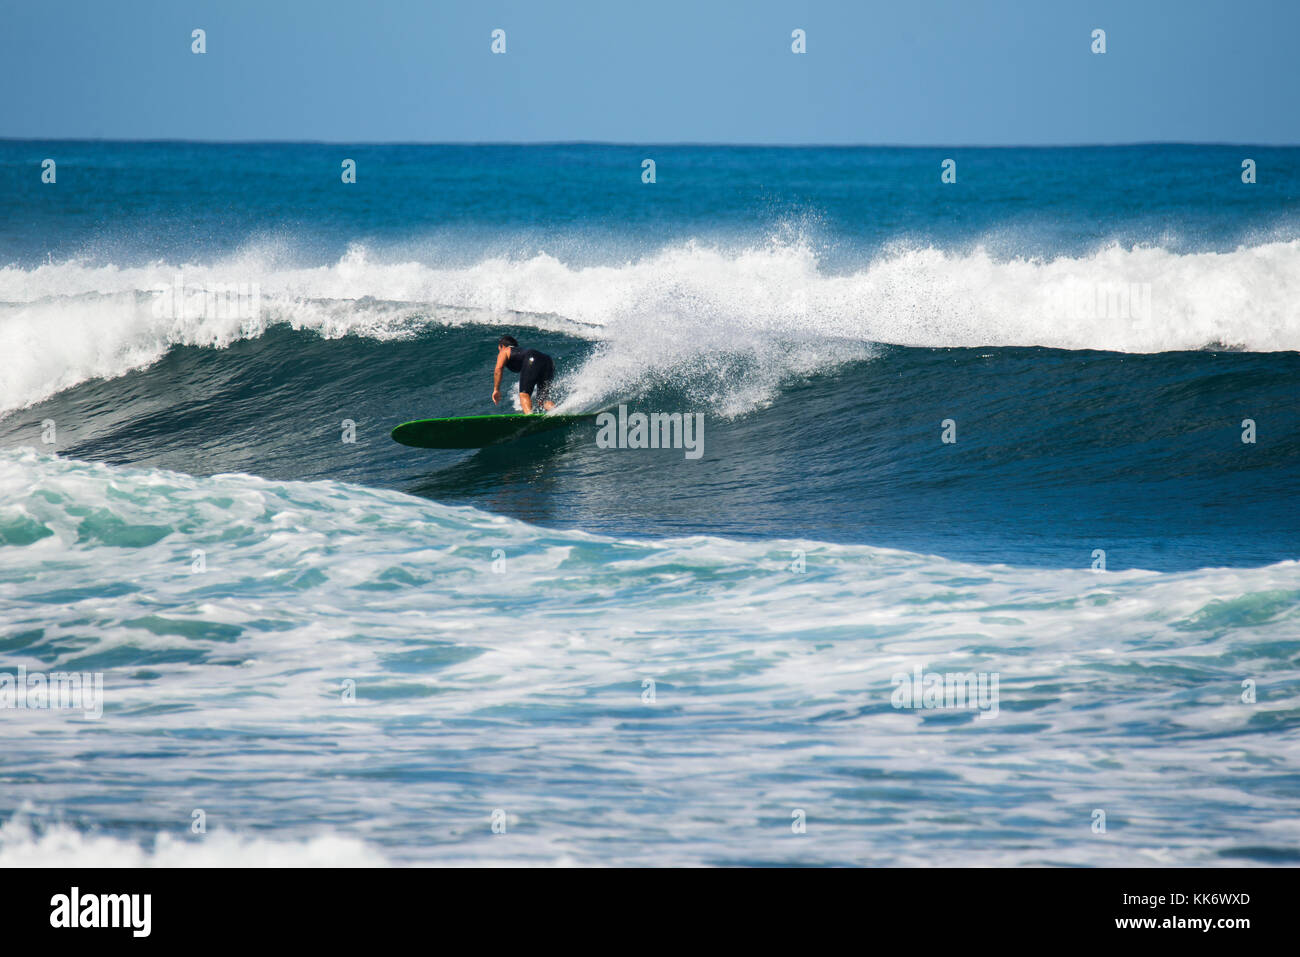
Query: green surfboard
(477, 431)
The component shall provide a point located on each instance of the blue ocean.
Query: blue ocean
(1037, 424)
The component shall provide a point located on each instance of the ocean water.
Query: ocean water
(549, 652)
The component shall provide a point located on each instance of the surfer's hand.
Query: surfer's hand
(496, 396)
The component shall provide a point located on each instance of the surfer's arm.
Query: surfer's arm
(496, 376)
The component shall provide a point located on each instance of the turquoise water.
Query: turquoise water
(355, 652)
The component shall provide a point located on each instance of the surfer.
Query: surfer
(536, 369)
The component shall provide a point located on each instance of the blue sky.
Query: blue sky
(924, 72)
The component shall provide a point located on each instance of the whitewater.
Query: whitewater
(492, 662)
(66, 323)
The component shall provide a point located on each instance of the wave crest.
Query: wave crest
(65, 323)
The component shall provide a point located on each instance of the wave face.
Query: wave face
(495, 664)
(1058, 453)
(1039, 424)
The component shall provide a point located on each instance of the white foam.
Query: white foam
(61, 845)
(677, 308)
(774, 688)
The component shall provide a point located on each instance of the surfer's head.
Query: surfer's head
(507, 342)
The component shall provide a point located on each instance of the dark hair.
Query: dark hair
(507, 341)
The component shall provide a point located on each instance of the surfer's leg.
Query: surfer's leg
(536, 377)
(544, 395)
(529, 379)
(544, 387)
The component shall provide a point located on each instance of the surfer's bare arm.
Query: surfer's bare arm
(502, 355)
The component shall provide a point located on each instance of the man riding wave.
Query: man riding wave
(536, 370)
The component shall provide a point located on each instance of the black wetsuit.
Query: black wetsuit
(536, 370)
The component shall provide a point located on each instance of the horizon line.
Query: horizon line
(698, 144)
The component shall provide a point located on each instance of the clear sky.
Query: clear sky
(924, 72)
